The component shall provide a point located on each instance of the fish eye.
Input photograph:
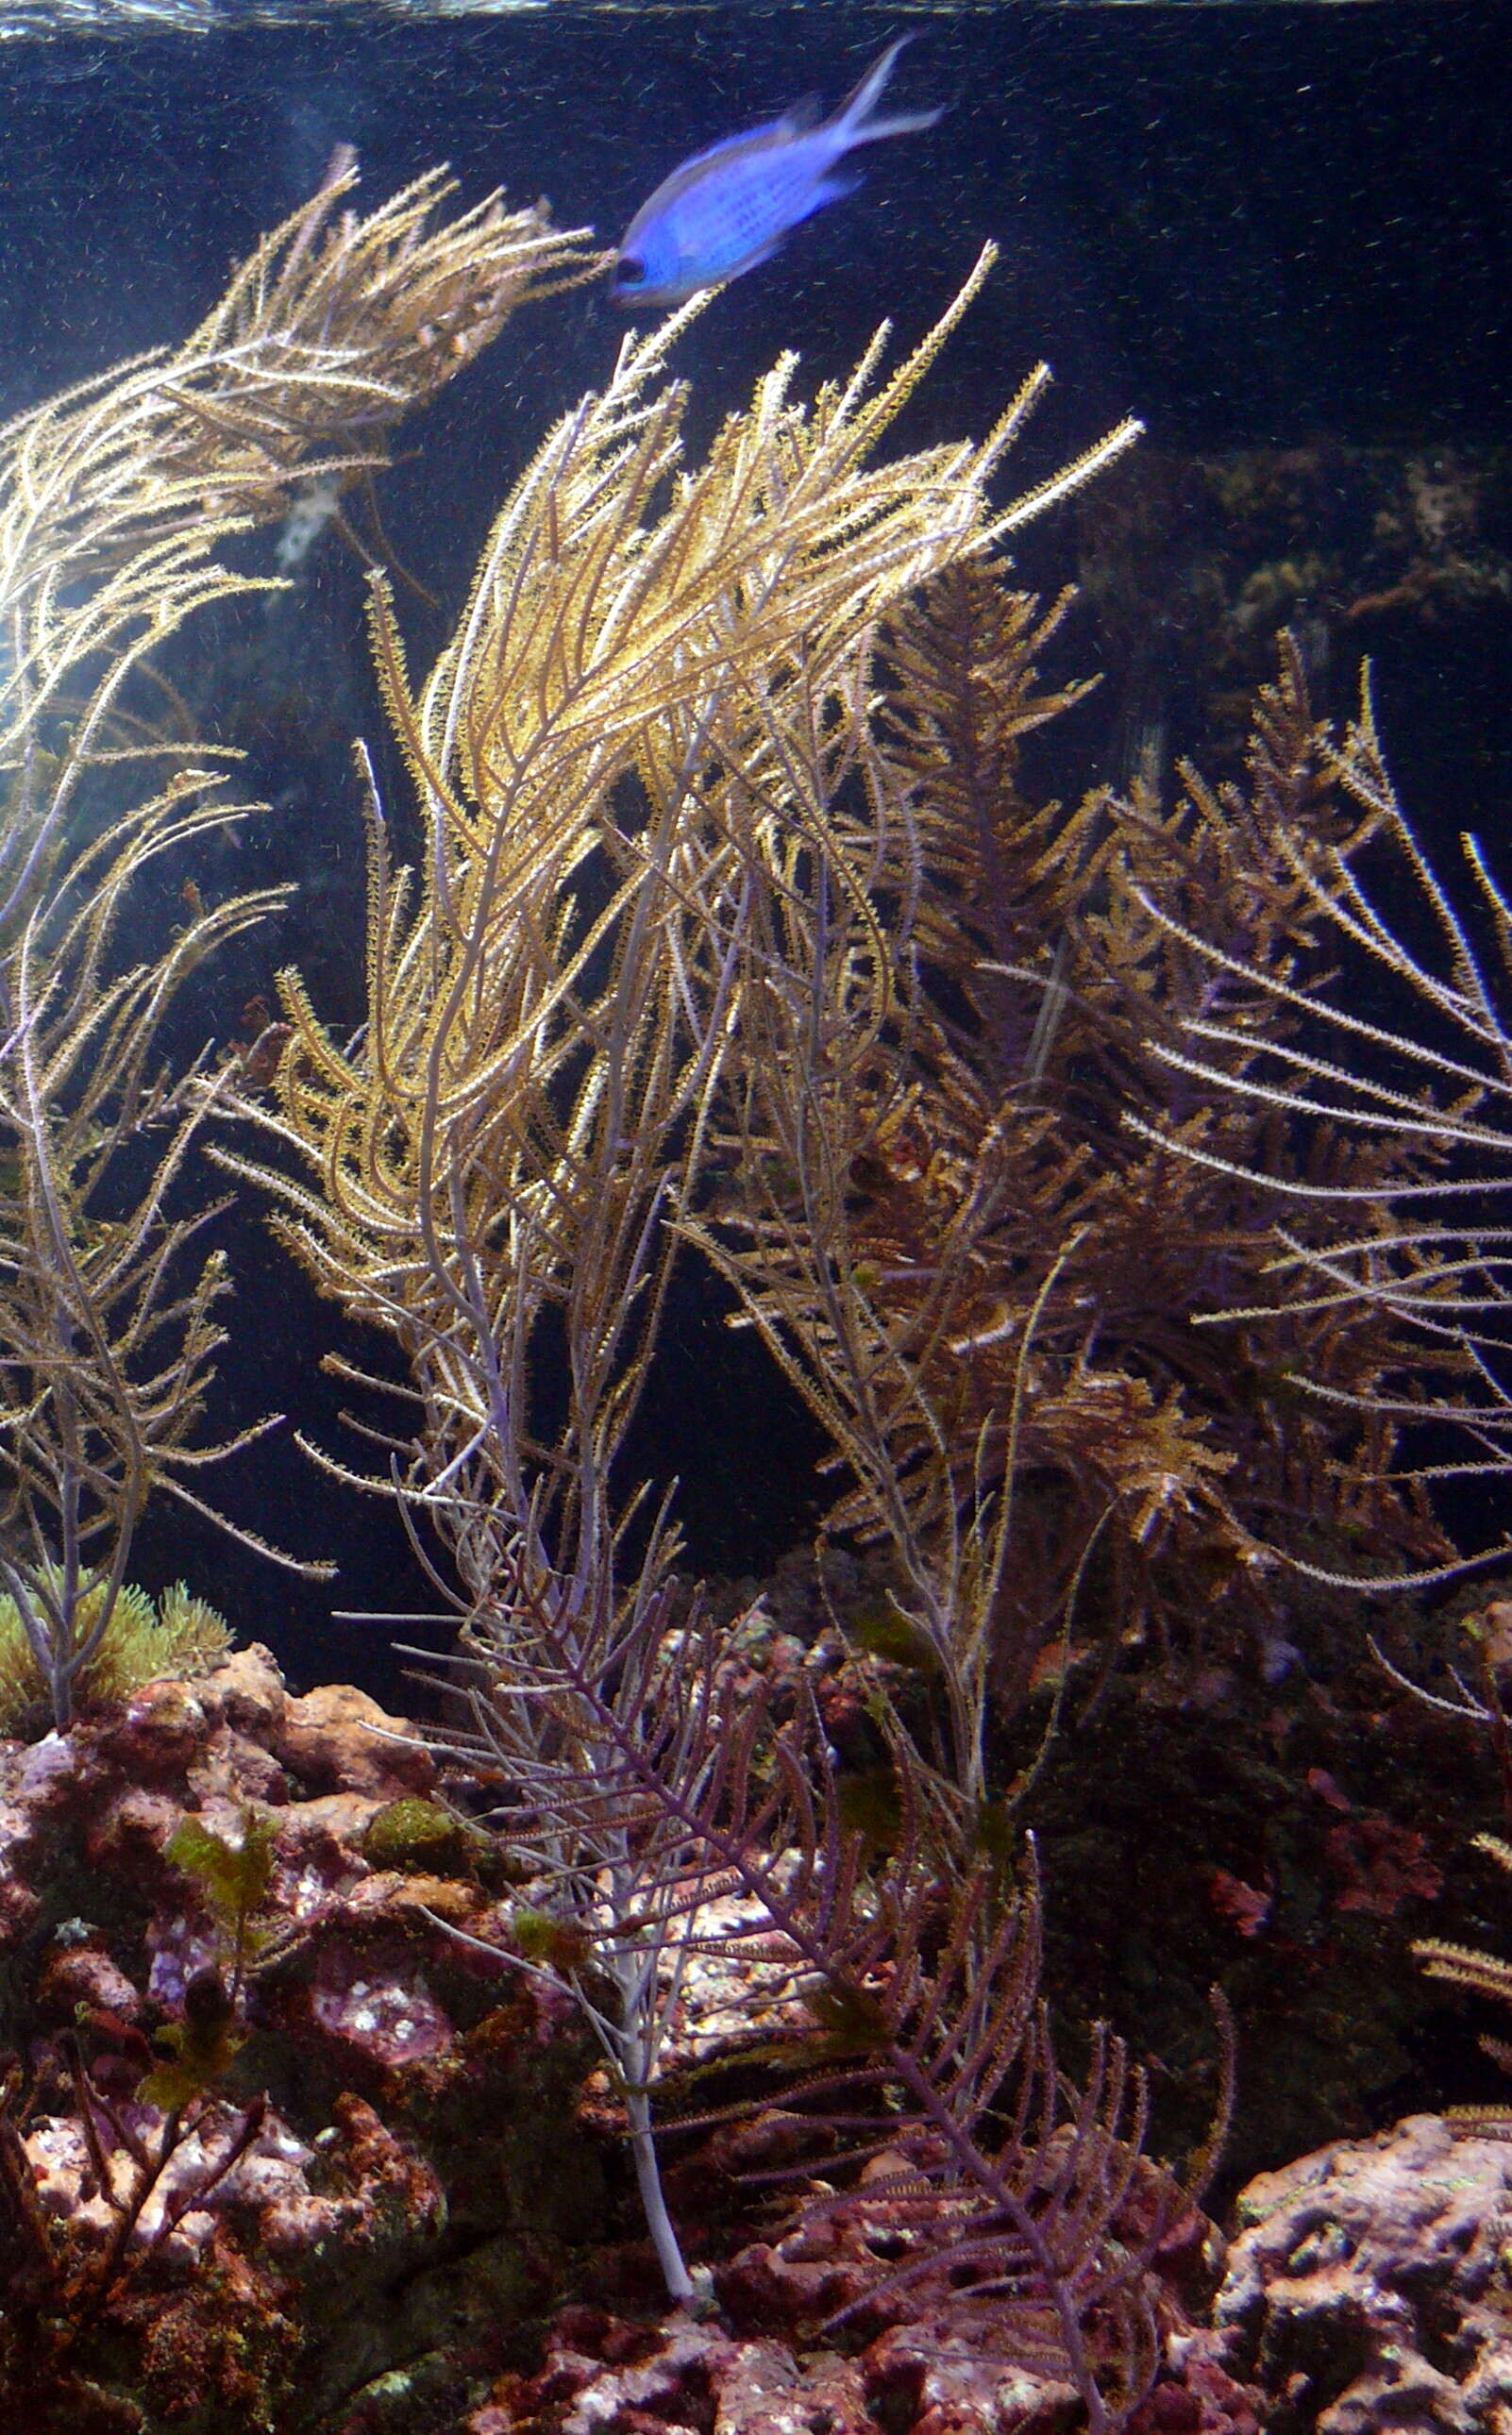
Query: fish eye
(629, 271)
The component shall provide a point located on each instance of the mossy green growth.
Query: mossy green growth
(201, 2049)
(423, 1838)
(232, 1881)
(883, 1630)
(178, 1636)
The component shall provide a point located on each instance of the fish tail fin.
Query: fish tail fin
(911, 123)
(853, 121)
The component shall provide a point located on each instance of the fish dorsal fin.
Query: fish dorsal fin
(774, 127)
(803, 115)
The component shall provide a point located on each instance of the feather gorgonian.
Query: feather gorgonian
(650, 792)
(116, 500)
(981, 1235)
(654, 702)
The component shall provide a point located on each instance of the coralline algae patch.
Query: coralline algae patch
(379, 2001)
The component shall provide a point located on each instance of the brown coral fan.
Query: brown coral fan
(994, 1300)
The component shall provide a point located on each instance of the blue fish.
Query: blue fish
(729, 208)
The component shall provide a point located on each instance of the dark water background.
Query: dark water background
(1257, 226)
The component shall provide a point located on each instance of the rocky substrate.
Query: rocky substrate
(385, 2195)
(388, 2165)
(1368, 2288)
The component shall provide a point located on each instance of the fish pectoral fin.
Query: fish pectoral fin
(829, 190)
(832, 189)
